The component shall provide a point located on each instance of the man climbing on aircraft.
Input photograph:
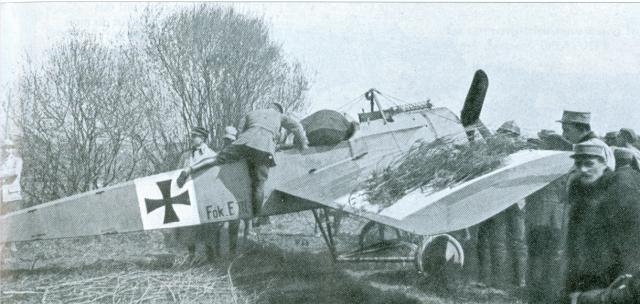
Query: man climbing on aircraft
(256, 143)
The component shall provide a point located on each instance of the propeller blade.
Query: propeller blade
(475, 98)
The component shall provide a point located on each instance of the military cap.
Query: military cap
(580, 150)
(629, 134)
(230, 132)
(509, 127)
(279, 106)
(575, 117)
(200, 131)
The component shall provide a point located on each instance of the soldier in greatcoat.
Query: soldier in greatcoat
(603, 259)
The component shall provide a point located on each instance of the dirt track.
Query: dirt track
(277, 266)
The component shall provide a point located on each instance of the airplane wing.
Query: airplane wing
(151, 202)
(451, 209)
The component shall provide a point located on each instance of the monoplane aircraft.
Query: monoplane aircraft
(321, 177)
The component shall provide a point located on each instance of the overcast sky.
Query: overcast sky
(540, 58)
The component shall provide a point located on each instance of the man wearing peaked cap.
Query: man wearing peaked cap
(204, 235)
(604, 231)
(610, 138)
(627, 138)
(625, 159)
(509, 127)
(576, 127)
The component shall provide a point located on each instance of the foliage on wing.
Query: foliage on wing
(440, 164)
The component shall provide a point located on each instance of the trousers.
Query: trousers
(258, 162)
(501, 239)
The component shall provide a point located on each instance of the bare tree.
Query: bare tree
(93, 115)
(78, 114)
(216, 65)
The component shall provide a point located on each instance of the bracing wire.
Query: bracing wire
(351, 102)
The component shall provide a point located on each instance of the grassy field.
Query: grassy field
(285, 262)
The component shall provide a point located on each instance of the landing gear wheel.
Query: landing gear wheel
(439, 254)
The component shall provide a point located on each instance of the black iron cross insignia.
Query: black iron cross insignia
(167, 202)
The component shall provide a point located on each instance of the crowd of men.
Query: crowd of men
(577, 239)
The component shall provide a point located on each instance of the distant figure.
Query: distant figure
(509, 128)
(10, 174)
(550, 140)
(610, 138)
(576, 127)
(547, 213)
(256, 143)
(503, 235)
(625, 159)
(230, 134)
(206, 235)
(603, 259)
(626, 139)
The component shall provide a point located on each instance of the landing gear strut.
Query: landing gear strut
(431, 255)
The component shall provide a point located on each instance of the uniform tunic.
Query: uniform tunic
(260, 130)
(206, 235)
(256, 143)
(200, 154)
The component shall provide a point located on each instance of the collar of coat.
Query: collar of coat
(602, 183)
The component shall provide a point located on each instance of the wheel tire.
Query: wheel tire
(439, 254)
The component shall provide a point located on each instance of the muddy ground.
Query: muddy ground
(285, 262)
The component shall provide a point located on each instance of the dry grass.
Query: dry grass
(128, 268)
(439, 164)
(138, 268)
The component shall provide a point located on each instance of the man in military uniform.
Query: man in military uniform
(625, 159)
(627, 138)
(576, 128)
(546, 217)
(10, 173)
(610, 138)
(504, 235)
(604, 231)
(256, 143)
(204, 235)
